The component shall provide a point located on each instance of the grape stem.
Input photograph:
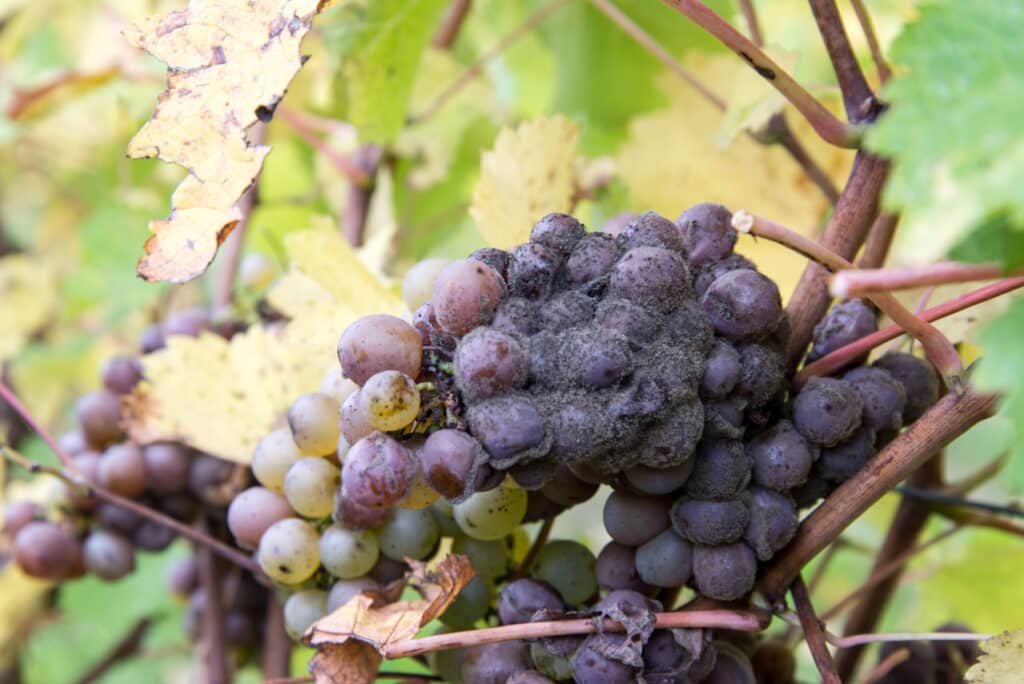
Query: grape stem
(861, 105)
(937, 347)
(842, 356)
(941, 499)
(857, 640)
(277, 645)
(879, 240)
(741, 620)
(127, 646)
(471, 72)
(859, 282)
(301, 124)
(8, 395)
(214, 651)
(448, 31)
(777, 128)
(950, 417)
(813, 632)
(824, 122)
(886, 665)
(868, 27)
(750, 17)
(535, 548)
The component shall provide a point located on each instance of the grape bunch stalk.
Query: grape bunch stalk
(648, 357)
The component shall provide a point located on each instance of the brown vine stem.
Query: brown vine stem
(937, 347)
(450, 25)
(950, 417)
(750, 17)
(883, 668)
(535, 548)
(740, 620)
(868, 27)
(830, 128)
(777, 130)
(858, 282)
(876, 246)
(125, 647)
(864, 639)
(858, 99)
(471, 72)
(813, 632)
(277, 645)
(978, 477)
(301, 125)
(37, 427)
(357, 207)
(845, 232)
(840, 357)
(214, 649)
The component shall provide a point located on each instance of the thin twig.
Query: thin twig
(840, 357)
(450, 25)
(858, 99)
(277, 645)
(300, 125)
(619, 18)
(474, 69)
(939, 350)
(535, 548)
(950, 417)
(813, 632)
(864, 639)
(741, 620)
(357, 207)
(8, 395)
(868, 27)
(879, 240)
(886, 570)
(897, 657)
(858, 282)
(750, 16)
(788, 140)
(821, 119)
(979, 476)
(126, 647)
(214, 648)
(979, 519)
(944, 499)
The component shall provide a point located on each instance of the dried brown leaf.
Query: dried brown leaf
(352, 662)
(383, 625)
(229, 63)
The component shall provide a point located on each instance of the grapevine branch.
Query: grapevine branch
(868, 27)
(842, 356)
(858, 282)
(813, 632)
(450, 25)
(37, 427)
(750, 16)
(821, 119)
(777, 130)
(883, 668)
(858, 99)
(876, 246)
(126, 647)
(845, 232)
(474, 69)
(535, 548)
(740, 620)
(214, 649)
(277, 645)
(301, 125)
(940, 351)
(950, 417)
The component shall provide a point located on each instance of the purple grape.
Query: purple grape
(653, 277)
(488, 363)
(591, 666)
(118, 519)
(153, 536)
(710, 522)
(43, 550)
(781, 456)
(721, 469)
(188, 323)
(919, 380)
(540, 507)
(773, 522)
(592, 258)
(724, 573)
(510, 429)
(108, 556)
(123, 470)
(707, 232)
(721, 370)
(665, 561)
(353, 516)
(618, 223)
(17, 514)
(152, 339)
(559, 232)
(379, 342)
(450, 460)
(742, 305)
(531, 270)
(495, 663)
(845, 459)
(883, 397)
(711, 271)
(121, 374)
(533, 475)
(565, 489)
(632, 520)
(762, 374)
(520, 599)
(99, 415)
(493, 257)
(658, 481)
(827, 411)
(378, 472)
(844, 323)
(732, 666)
(651, 230)
(616, 568)
(167, 467)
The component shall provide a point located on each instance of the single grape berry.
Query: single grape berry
(652, 277)
(378, 471)
(919, 380)
(883, 397)
(844, 323)
(252, 512)
(390, 400)
(725, 573)
(567, 566)
(841, 462)
(43, 550)
(707, 233)
(510, 429)
(781, 456)
(592, 258)
(827, 411)
(121, 374)
(616, 568)
(591, 665)
(721, 469)
(773, 521)
(289, 551)
(721, 370)
(379, 342)
(123, 470)
(520, 599)
(531, 272)
(710, 522)
(559, 232)
(489, 362)
(466, 294)
(108, 556)
(632, 520)
(167, 467)
(313, 419)
(493, 663)
(742, 304)
(665, 561)
(451, 460)
(99, 416)
(651, 230)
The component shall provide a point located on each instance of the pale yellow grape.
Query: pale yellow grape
(289, 551)
(313, 419)
(348, 554)
(257, 271)
(420, 495)
(355, 424)
(418, 283)
(302, 609)
(337, 386)
(273, 456)
(390, 400)
(310, 485)
(492, 514)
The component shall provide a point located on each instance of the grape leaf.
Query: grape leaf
(222, 397)
(352, 662)
(954, 129)
(383, 625)
(229, 63)
(382, 64)
(1002, 365)
(28, 290)
(1002, 661)
(529, 173)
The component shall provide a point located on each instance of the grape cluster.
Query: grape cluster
(85, 535)
(648, 357)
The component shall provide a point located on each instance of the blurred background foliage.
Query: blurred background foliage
(74, 209)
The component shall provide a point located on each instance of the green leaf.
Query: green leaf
(1002, 366)
(997, 239)
(383, 63)
(955, 130)
(604, 78)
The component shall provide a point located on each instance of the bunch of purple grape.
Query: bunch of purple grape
(83, 535)
(648, 357)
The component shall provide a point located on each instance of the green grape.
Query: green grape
(289, 551)
(492, 514)
(390, 400)
(344, 590)
(569, 567)
(274, 455)
(489, 558)
(469, 606)
(337, 386)
(558, 668)
(408, 532)
(445, 517)
(313, 419)
(302, 609)
(310, 485)
(348, 553)
(447, 664)
(418, 283)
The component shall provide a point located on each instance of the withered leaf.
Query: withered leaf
(352, 662)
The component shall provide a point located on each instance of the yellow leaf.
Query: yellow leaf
(383, 625)
(1002, 661)
(28, 292)
(752, 101)
(222, 397)
(352, 662)
(529, 173)
(24, 598)
(229, 62)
